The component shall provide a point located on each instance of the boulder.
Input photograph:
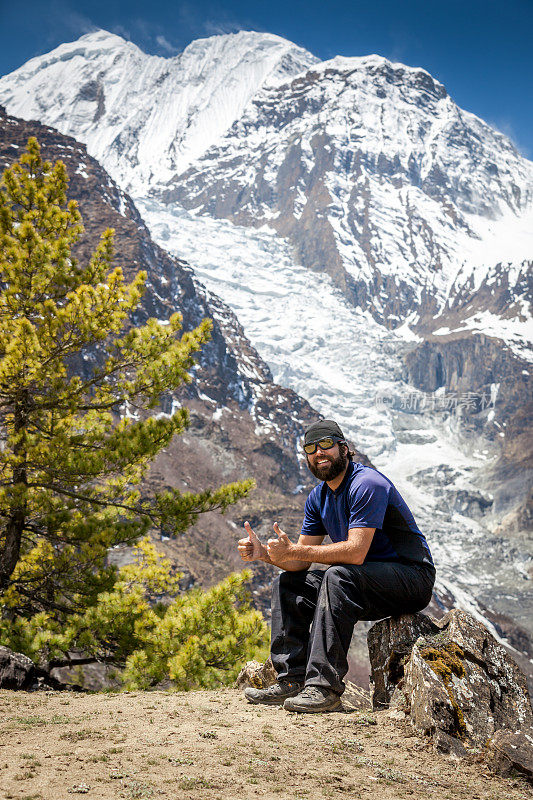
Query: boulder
(257, 675)
(455, 682)
(512, 751)
(424, 696)
(390, 642)
(17, 671)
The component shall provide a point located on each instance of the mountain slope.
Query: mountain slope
(242, 423)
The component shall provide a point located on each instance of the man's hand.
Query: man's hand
(280, 549)
(250, 549)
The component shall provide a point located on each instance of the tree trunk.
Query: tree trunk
(9, 555)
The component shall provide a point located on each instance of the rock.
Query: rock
(17, 671)
(465, 364)
(510, 751)
(255, 674)
(416, 437)
(390, 642)
(454, 681)
(425, 698)
(356, 697)
(397, 714)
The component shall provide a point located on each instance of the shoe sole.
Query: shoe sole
(316, 710)
(274, 702)
(257, 702)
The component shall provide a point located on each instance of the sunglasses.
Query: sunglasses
(325, 444)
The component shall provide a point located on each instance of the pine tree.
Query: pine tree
(72, 459)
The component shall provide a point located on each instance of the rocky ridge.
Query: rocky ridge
(419, 211)
(242, 424)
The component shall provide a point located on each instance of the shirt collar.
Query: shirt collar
(347, 475)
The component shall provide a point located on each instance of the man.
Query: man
(378, 565)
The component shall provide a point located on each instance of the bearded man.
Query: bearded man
(378, 565)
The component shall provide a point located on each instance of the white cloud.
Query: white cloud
(74, 22)
(216, 28)
(120, 30)
(164, 44)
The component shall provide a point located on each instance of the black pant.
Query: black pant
(314, 613)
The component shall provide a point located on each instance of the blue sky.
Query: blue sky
(480, 49)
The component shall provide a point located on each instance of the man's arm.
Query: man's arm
(294, 564)
(251, 549)
(353, 551)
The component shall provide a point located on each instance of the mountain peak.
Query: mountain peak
(272, 54)
(102, 36)
(392, 71)
(87, 46)
(246, 37)
(155, 114)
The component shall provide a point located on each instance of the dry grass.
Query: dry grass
(215, 746)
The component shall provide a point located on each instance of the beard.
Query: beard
(329, 472)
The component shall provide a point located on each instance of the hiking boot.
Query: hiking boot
(313, 699)
(275, 695)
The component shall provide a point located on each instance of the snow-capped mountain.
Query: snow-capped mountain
(375, 175)
(145, 117)
(415, 217)
(368, 167)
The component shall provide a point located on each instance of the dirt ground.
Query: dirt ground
(212, 745)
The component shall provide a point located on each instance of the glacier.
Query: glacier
(350, 368)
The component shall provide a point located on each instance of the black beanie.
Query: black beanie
(321, 429)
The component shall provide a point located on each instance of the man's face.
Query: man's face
(326, 465)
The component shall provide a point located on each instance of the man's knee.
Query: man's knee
(344, 584)
(339, 575)
(288, 582)
(284, 581)
(341, 593)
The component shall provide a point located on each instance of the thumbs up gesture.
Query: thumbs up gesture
(250, 548)
(279, 549)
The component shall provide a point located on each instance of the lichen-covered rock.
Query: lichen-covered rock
(493, 692)
(17, 671)
(424, 697)
(390, 642)
(458, 684)
(512, 751)
(257, 675)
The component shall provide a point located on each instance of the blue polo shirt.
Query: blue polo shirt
(367, 499)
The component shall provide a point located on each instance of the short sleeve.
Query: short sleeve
(312, 524)
(368, 504)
